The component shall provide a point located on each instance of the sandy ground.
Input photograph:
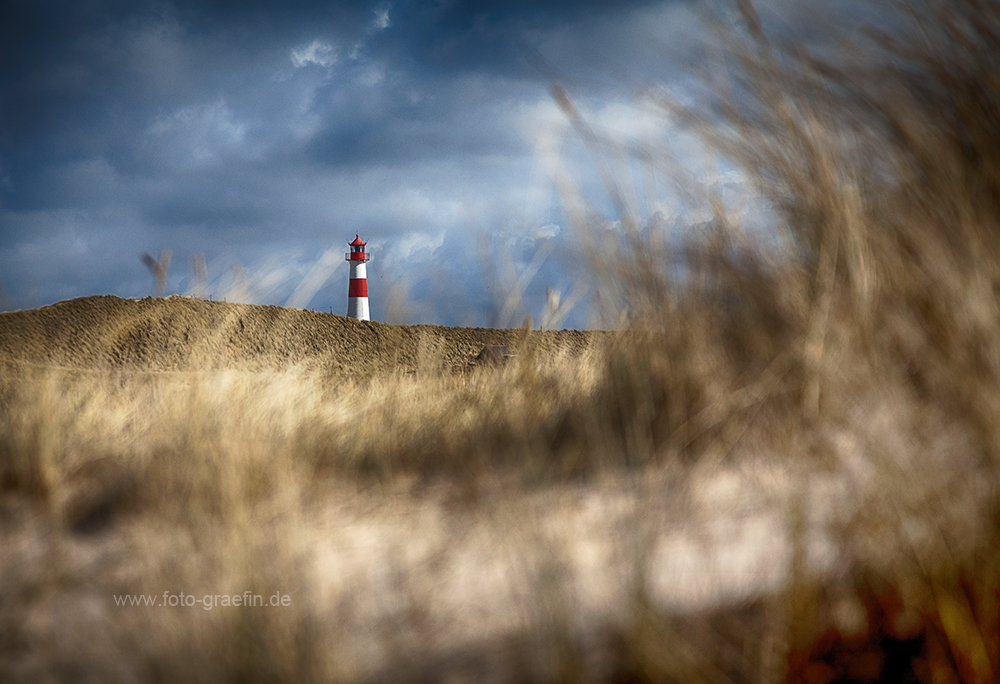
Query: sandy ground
(186, 333)
(714, 543)
(394, 582)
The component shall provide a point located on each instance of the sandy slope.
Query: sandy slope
(185, 333)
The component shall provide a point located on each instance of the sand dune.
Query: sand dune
(187, 333)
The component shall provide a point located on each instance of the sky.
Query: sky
(262, 136)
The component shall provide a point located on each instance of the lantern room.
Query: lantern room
(357, 252)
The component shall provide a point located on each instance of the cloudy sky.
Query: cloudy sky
(262, 135)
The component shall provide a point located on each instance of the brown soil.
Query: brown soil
(186, 333)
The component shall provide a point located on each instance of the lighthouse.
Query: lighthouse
(357, 291)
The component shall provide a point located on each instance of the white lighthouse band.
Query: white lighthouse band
(357, 291)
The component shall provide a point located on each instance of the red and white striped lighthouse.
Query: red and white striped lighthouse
(357, 291)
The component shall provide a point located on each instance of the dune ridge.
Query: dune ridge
(187, 333)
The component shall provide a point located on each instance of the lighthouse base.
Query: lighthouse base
(357, 307)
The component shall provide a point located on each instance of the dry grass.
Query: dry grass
(786, 470)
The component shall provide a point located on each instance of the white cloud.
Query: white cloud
(379, 23)
(381, 20)
(414, 247)
(371, 75)
(416, 207)
(317, 52)
(624, 121)
(537, 118)
(199, 134)
(549, 230)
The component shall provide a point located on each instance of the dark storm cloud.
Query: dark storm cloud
(248, 129)
(498, 37)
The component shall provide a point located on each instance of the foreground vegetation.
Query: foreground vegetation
(586, 518)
